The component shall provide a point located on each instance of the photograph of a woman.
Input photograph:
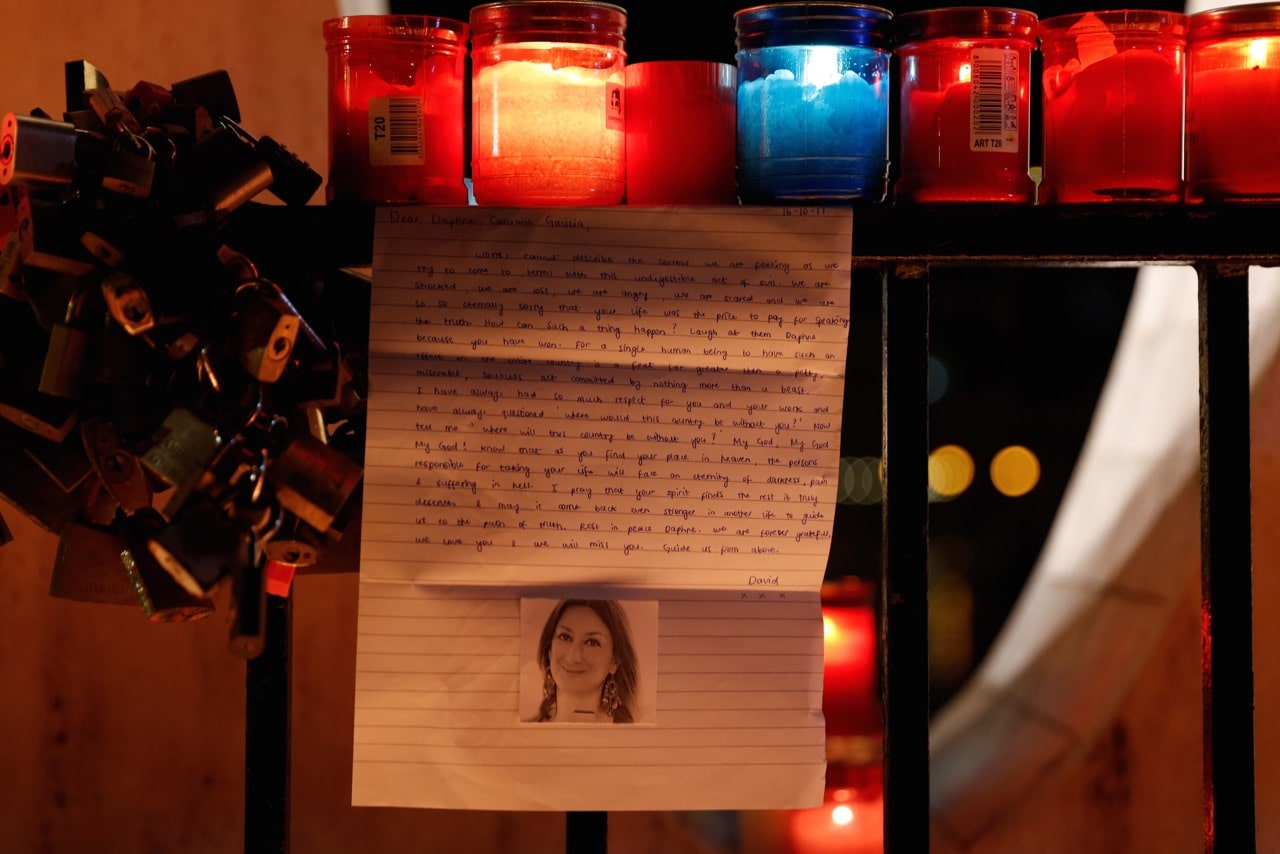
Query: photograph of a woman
(587, 657)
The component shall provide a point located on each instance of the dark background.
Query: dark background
(1024, 354)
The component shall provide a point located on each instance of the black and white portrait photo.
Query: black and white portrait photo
(587, 660)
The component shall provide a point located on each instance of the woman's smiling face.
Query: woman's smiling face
(581, 651)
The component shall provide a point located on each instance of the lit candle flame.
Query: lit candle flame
(1258, 51)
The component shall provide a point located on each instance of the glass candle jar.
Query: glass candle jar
(964, 105)
(813, 102)
(547, 115)
(1233, 89)
(397, 109)
(681, 126)
(1112, 104)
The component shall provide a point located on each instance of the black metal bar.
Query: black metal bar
(904, 566)
(1226, 564)
(586, 832)
(1066, 235)
(266, 736)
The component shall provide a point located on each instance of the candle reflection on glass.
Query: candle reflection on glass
(1113, 97)
(1233, 85)
(964, 112)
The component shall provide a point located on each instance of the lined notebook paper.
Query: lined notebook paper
(626, 403)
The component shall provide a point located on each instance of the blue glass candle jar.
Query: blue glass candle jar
(813, 102)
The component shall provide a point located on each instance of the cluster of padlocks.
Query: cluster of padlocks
(178, 419)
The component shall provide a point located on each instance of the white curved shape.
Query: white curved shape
(1101, 593)
(1111, 572)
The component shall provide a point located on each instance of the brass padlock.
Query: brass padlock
(128, 303)
(312, 480)
(265, 329)
(81, 76)
(87, 566)
(180, 451)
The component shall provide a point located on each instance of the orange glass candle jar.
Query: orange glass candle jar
(397, 109)
(547, 113)
(965, 110)
(1233, 89)
(1112, 104)
(681, 126)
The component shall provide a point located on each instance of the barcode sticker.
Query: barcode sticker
(993, 100)
(395, 132)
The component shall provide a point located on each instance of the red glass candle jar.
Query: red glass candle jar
(1233, 95)
(965, 109)
(397, 110)
(547, 115)
(681, 126)
(1112, 104)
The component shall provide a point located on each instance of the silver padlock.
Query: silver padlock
(37, 151)
(129, 167)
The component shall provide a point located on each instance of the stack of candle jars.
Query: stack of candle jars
(1137, 106)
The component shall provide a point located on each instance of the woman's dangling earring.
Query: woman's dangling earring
(609, 699)
(548, 685)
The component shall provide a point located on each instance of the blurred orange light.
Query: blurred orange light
(1015, 471)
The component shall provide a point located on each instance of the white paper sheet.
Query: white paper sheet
(638, 404)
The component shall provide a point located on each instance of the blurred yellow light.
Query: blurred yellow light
(950, 471)
(1015, 471)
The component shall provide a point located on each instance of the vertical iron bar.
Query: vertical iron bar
(1226, 564)
(903, 558)
(266, 736)
(586, 832)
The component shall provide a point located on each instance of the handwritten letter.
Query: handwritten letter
(639, 402)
